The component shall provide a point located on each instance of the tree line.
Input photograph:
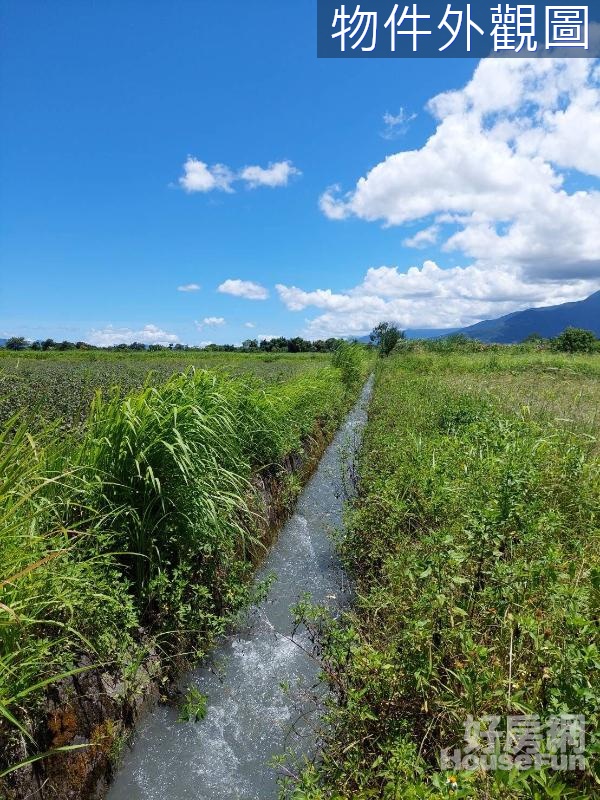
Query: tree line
(386, 337)
(279, 344)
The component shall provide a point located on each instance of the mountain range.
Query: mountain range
(548, 322)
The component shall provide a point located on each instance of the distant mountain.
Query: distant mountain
(428, 333)
(548, 321)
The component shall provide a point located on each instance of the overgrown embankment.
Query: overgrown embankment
(474, 544)
(124, 553)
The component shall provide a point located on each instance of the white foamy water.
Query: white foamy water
(252, 714)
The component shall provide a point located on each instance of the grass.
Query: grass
(474, 545)
(59, 386)
(140, 532)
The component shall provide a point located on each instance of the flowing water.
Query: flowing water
(260, 681)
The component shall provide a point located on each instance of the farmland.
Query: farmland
(474, 545)
(131, 533)
(59, 386)
(129, 545)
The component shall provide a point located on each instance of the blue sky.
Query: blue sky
(103, 103)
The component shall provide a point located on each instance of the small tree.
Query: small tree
(386, 336)
(16, 343)
(575, 340)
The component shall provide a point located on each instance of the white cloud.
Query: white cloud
(210, 322)
(199, 177)
(424, 237)
(149, 334)
(266, 337)
(249, 325)
(247, 289)
(396, 124)
(189, 287)
(508, 181)
(331, 206)
(426, 297)
(496, 168)
(277, 174)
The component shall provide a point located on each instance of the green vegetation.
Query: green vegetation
(474, 545)
(385, 337)
(59, 386)
(571, 340)
(275, 344)
(348, 359)
(139, 533)
(194, 706)
(576, 340)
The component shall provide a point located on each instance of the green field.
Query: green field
(474, 543)
(59, 386)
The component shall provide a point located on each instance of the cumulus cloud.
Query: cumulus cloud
(331, 205)
(247, 289)
(249, 325)
(508, 182)
(426, 297)
(277, 174)
(189, 287)
(198, 176)
(423, 238)
(210, 322)
(149, 334)
(496, 170)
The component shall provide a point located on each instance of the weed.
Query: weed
(194, 706)
(473, 543)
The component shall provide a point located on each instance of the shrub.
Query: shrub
(575, 340)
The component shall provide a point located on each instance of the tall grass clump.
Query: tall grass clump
(349, 358)
(474, 543)
(170, 473)
(56, 599)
